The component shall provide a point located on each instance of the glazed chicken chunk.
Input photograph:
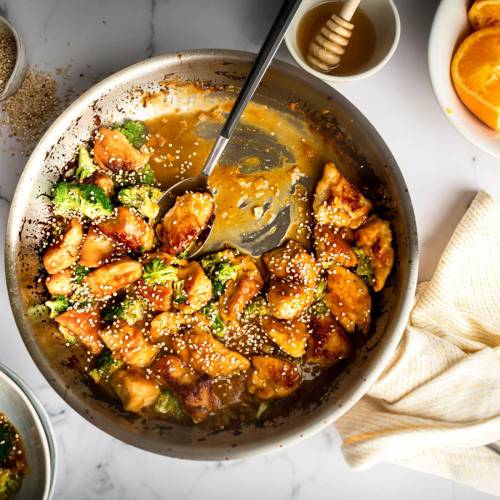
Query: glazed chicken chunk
(96, 248)
(290, 336)
(113, 277)
(64, 252)
(349, 300)
(240, 291)
(134, 389)
(128, 344)
(332, 246)
(170, 323)
(328, 342)
(272, 378)
(194, 288)
(85, 326)
(185, 221)
(61, 283)
(293, 279)
(338, 202)
(375, 239)
(200, 401)
(112, 150)
(127, 228)
(207, 355)
(171, 370)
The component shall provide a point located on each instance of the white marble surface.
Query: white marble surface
(443, 171)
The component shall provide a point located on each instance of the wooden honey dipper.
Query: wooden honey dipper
(328, 46)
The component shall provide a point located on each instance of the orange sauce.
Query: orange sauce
(249, 192)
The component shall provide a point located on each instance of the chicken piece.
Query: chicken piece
(105, 182)
(171, 370)
(239, 292)
(200, 401)
(64, 252)
(85, 326)
(96, 248)
(128, 228)
(61, 283)
(290, 336)
(331, 245)
(185, 221)
(294, 275)
(328, 342)
(338, 202)
(375, 239)
(128, 344)
(194, 288)
(134, 389)
(168, 324)
(113, 277)
(272, 377)
(112, 150)
(349, 300)
(207, 355)
(158, 297)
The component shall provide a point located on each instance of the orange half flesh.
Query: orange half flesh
(475, 71)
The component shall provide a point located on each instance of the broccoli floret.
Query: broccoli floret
(58, 305)
(178, 294)
(135, 131)
(81, 297)
(141, 176)
(258, 307)
(319, 308)
(7, 436)
(105, 366)
(80, 272)
(67, 338)
(85, 199)
(143, 198)
(212, 313)
(157, 272)
(320, 291)
(38, 313)
(364, 268)
(86, 166)
(220, 271)
(10, 482)
(130, 310)
(168, 404)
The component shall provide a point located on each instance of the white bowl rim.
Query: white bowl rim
(42, 423)
(484, 143)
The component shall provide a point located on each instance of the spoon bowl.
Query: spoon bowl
(197, 184)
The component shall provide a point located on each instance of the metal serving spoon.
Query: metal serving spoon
(257, 71)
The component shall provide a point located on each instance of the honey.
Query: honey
(361, 44)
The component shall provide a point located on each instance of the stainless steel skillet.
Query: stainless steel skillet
(214, 73)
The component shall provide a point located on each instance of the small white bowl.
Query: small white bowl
(28, 416)
(449, 28)
(16, 78)
(385, 18)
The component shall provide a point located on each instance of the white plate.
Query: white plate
(449, 28)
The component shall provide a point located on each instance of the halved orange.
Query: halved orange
(475, 71)
(484, 13)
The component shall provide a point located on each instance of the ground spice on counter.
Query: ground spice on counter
(8, 54)
(30, 111)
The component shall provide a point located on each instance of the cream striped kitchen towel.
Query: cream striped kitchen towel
(436, 406)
